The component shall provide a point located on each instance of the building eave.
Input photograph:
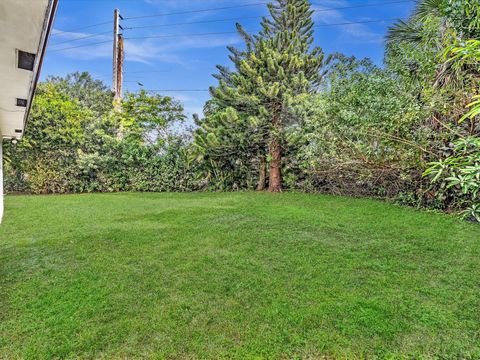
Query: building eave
(42, 49)
(26, 27)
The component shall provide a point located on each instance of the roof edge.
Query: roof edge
(42, 48)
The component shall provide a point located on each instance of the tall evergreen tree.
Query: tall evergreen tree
(226, 146)
(278, 67)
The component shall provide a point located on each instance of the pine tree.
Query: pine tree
(225, 148)
(247, 124)
(278, 67)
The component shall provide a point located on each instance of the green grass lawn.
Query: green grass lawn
(235, 275)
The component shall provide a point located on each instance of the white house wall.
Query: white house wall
(22, 27)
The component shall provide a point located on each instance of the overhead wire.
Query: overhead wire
(145, 72)
(56, 32)
(363, 5)
(176, 90)
(209, 21)
(235, 32)
(82, 37)
(126, 73)
(161, 36)
(194, 11)
(202, 34)
(190, 23)
(83, 45)
(180, 35)
(245, 5)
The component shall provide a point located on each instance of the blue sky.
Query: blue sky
(186, 62)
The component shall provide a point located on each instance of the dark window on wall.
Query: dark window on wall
(26, 60)
(22, 102)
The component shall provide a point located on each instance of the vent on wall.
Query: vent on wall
(22, 102)
(18, 131)
(26, 60)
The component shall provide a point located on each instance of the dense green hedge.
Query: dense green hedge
(76, 142)
(397, 131)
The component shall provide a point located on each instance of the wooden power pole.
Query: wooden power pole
(116, 19)
(118, 56)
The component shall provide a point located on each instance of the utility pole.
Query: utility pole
(120, 58)
(117, 68)
(116, 19)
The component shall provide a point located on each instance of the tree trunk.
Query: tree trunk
(275, 176)
(262, 174)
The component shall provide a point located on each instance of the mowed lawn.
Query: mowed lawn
(236, 275)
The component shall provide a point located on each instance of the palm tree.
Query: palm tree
(436, 26)
(458, 18)
(413, 30)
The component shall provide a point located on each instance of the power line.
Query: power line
(81, 28)
(215, 33)
(78, 46)
(137, 72)
(216, 9)
(245, 18)
(195, 11)
(235, 32)
(145, 72)
(177, 90)
(355, 22)
(191, 22)
(180, 35)
(139, 83)
(213, 21)
(82, 37)
(364, 5)
(263, 3)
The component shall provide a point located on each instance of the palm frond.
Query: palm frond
(411, 30)
(405, 31)
(426, 8)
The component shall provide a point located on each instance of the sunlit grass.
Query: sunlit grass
(235, 275)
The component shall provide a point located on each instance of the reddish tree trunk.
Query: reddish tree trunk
(275, 176)
(262, 174)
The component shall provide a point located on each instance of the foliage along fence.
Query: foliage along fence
(285, 112)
